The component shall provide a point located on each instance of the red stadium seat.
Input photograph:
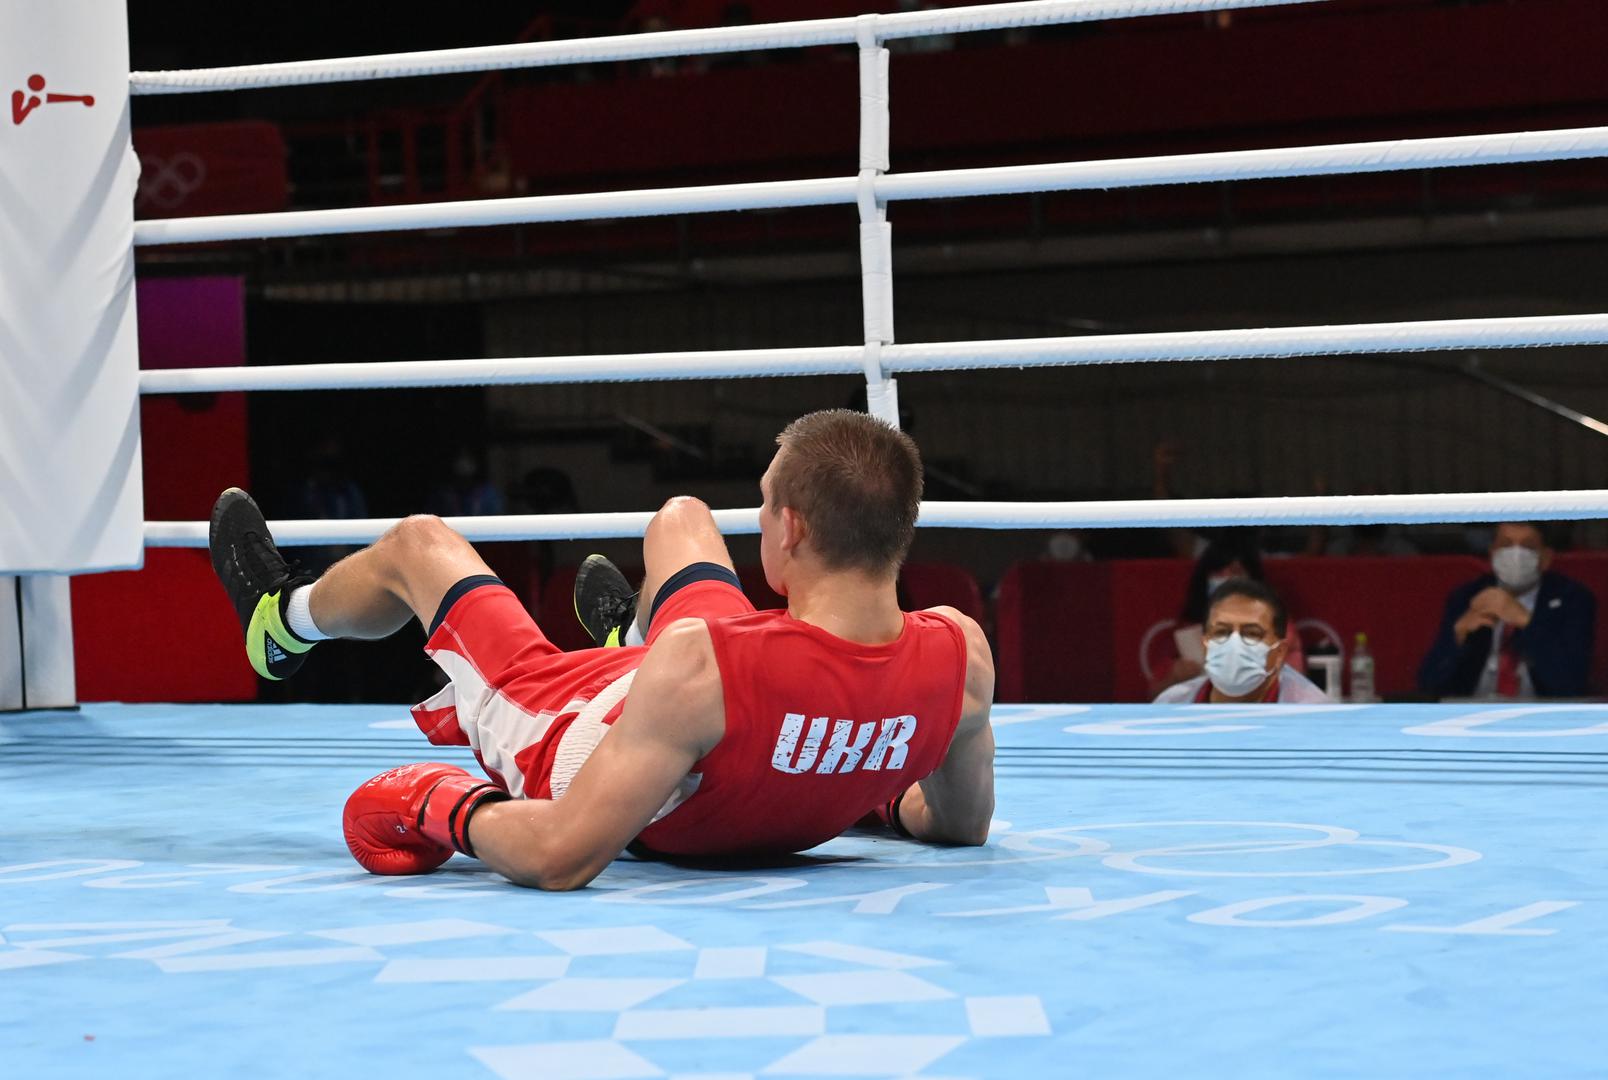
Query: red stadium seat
(1054, 632)
(926, 585)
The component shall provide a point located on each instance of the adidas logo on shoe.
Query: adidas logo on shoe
(256, 576)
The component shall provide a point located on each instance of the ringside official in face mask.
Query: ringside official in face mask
(1521, 631)
(1244, 638)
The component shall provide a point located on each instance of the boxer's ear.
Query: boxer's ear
(794, 529)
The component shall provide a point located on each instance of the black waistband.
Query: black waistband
(689, 575)
(455, 593)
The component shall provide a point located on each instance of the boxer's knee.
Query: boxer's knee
(421, 536)
(423, 554)
(683, 530)
(682, 517)
(682, 533)
(683, 510)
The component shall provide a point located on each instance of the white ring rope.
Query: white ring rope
(1361, 338)
(669, 43)
(871, 189)
(1369, 157)
(1132, 513)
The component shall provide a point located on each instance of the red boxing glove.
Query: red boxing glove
(410, 820)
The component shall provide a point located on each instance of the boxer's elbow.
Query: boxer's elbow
(972, 833)
(548, 870)
(521, 841)
(961, 820)
(975, 837)
(571, 874)
(557, 882)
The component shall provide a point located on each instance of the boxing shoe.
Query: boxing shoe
(259, 582)
(411, 819)
(604, 601)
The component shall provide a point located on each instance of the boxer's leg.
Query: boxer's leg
(683, 533)
(406, 573)
(370, 595)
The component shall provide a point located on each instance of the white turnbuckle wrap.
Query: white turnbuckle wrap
(876, 235)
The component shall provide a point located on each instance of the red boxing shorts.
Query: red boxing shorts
(531, 712)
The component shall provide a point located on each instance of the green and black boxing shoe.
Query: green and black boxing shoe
(259, 582)
(604, 601)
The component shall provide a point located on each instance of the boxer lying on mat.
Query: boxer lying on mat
(700, 727)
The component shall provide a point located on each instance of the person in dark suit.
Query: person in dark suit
(1521, 631)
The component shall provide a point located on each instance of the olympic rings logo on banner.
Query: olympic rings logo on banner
(166, 182)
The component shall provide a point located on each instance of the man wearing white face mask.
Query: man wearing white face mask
(1244, 638)
(1521, 631)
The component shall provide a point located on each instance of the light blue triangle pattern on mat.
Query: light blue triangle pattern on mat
(1381, 891)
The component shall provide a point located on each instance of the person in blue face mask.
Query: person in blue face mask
(1521, 631)
(1232, 555)
(1244, 639)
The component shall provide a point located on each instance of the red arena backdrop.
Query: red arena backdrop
(165, 633)
(200, 169)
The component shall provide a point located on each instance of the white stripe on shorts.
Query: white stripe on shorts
(495, 725)
(499, 729)
(587, 731)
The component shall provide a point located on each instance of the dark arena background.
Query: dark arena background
(1409, 245)
(1410, 881)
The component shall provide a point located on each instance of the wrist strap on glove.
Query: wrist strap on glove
(891, 812)
(447, 807)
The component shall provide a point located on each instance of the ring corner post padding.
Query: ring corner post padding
(69, 365)
(49, 678)
(10, 646)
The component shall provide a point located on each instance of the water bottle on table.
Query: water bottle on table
(1362, 671)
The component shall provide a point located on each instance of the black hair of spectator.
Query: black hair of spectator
(1252, 590)
(1554, 534)
(1218, 554)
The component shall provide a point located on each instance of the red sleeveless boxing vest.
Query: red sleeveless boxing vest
(819, 731)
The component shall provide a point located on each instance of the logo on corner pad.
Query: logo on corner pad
(24, 102)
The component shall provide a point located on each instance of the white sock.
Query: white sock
(633, 636)
(299, 616)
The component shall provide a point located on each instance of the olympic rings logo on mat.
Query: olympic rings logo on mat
(1283, 854)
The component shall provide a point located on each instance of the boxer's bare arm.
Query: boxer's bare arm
(955, 804)
(674, 715)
